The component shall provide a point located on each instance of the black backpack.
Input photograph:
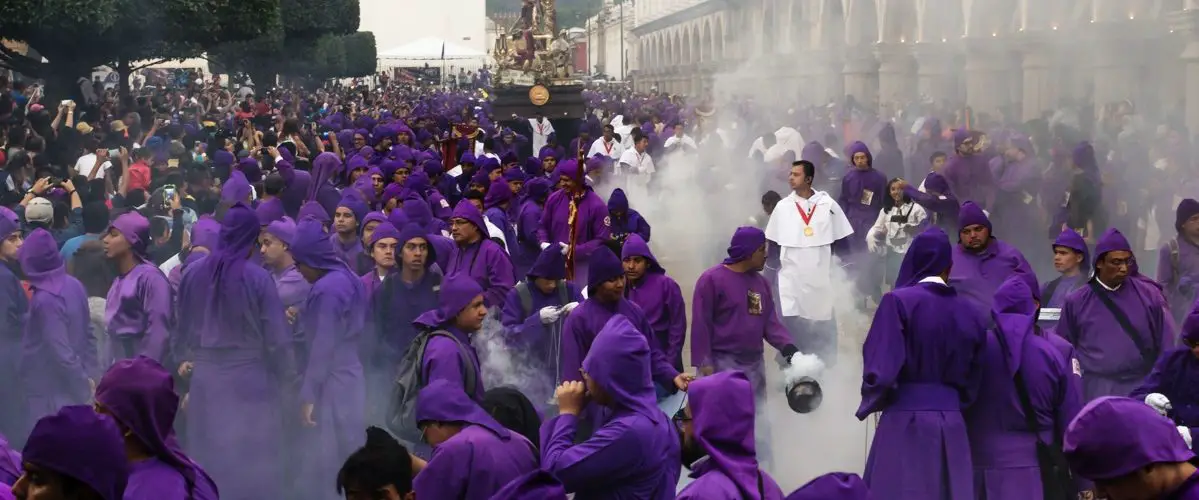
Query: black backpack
(401, 416)
(526, 299)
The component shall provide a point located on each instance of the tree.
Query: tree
(361, 54)
(75, 36)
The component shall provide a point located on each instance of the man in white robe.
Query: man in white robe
(542, 128)
(804, 226)
(637, 168)
(607, 145)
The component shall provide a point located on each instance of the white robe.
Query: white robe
(806, 262)
(637, 169)
(613, 150)
(541, 133)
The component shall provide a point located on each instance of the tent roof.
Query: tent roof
(430, 48)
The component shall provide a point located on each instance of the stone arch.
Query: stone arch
(706, 43)
(769, 24)
(861, 23)
(898, 22)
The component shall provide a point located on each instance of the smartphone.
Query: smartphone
(114, 152)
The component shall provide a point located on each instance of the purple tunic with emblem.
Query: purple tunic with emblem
(592, 221)
(862, 193)
(920, 369)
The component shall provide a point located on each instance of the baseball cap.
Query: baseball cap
(39, 210)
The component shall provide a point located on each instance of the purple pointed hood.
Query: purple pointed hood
(411, 232)
(418, 212)
(603, 266)
(722, 416)
(9, 222)
(1190, 325)
(746, 240)
(79, 443)
(443, 401)
(136, 230)
(618, 201)
(859, 147)
(457, 292)
(538, 189)
(41, 262)
(471, 213)
(635, 246)
(238, 237)
(1114, 436)
(324, 167)
(312, 247)
(1112, 240)
(929, 255)
(618, 362)
(970, 214)
(1015, 314)
(813, 152)
(206, 233)
(236, 189)
(833, 486)
(536, 485)
(382, 231)
(355, 204)
(312, 210)
(498, 193)
(284, 229)
(936, 183)
(550, 264)
(269, 211)
(568, 169)
(1072, 240)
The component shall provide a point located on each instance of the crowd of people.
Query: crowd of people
(210, 291)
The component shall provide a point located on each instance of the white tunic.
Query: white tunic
(541, 133)
(806, 262)
(613, 149)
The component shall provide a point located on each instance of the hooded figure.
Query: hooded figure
(237, 189)
(497, 206)
(536, 485)
(967, 169)
(526, 248)
(1123, 443)
(82, 445)
(936, 199)
(1114, 359)
(443, 357)
(889, 159)
(58, 351)
(14, 304)
(140, 394)
(625, 221)
(1055, 292)
(1003, 447)
(1017, 179)
(1178, 260)
(920, 369)
(833, 486)
(1175, 378)
(233, 330)
(482, 259)
(591, 219)
(139, 305)
(862, 192)
(473, 455)
(398, 301)
(978, 271)
(721, 408)
(658, 295)
(204, 236)
(635, 453)
(347, 236)
(332, 388)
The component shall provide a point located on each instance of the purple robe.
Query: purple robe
(625, 221)
(536, 485)
(1180, 284)
(483, 260)
(970, 178)
(833, 486)
(592, 220)
(232, 327)
(477, 461)
(722, 412)
(140, 394)
(660, 299)
(583, 326)
(58, 351)
(332, 379)
(443, 359)
(10, 464)
(976, 276)
(527, 336)
(138, 313)
(861, 197)
(920, 362)
(525, 248)
(1016, 212)
(14, 307)
(81, 444)
(1003, 448)
(1115, 436)
(635, 453)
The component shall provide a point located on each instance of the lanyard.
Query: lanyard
(807, 217)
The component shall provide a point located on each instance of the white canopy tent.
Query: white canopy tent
(432, 51)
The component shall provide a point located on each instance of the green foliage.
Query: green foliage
(361, 54)
(315, 40)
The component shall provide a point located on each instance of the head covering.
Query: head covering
(457, 292)
(635, 246)
(445, 401)
(9, 222)
(419, 213)
(513, 410)
(536, 485)
(929, 255)
(251, 168)
(618, 362)
(269, 211)
(236, 189)
(1072, 240)
(469, 212)
(140, 394)
(833, 486)
(1113, 436)
(550, 264)
(1112, 240)
(79, 443)
(382, 231)
(970, 214)
(355, 204)
(410, 232)
(936, 183)
(515, 175)
(238, 236)
(1187, 208)
(372, 217)
(498, 193)
(1190, 325)
(859, 147)
(136, 230)
(618, 201)
(205, 233)
(537, 189)
(1084, 158)
(284, 229)
(722, 416)
(1015, 316)
(39, 210)
(41, 262)
(568, 168)
(746, 240)
(312, 247)
(604, 266)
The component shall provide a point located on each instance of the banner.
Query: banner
(411, 75)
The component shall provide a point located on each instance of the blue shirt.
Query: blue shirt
(72, 245)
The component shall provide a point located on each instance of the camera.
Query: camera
(899, 219)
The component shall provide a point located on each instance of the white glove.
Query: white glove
(1186, 434)
(566, 309)
(1159, 403)
(872, 245)
(545, 246)
(563, 245)
(549, 314)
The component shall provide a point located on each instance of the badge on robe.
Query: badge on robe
(754, 300)
(867, 196)
(1075, 366)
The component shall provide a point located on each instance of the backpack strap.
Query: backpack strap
(1050, 288)
(1149, 350)
(563, 295)
(1176, 272)
(526, 299)
(469, 377)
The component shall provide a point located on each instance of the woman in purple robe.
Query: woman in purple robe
(58, 352)
(14, 307)
(1115, 360)
(982, 261)
(920, 369)
(635, 452)
(718, 441)
(479, 257)
(473, 455)
(140, 395)
(591, 218)
(138, 310)
(658, 296)
(1130, 451)
(234, 339)
(1018, 357)
(332, 388)
(74, 453)
(833, 486)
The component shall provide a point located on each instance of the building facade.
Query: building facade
(612, 48)
(986, 53)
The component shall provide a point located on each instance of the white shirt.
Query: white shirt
(613, 149)
(688, 144)
(541, 133)
(896, 237)
(636, 163)
(87, 162)
(806, 259)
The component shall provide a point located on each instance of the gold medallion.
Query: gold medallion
(808, 231)
(539, 95)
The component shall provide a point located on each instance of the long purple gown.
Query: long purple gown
(526, 248)
(478, 460)
(635, 453)
(138, 307)
(1181, 280)
(140, 394)
(332, 379)
(976, 275)
(833, 486)
(660, 299)
(920, 369)
(232, 327)
(58, 351)
(1002, 446)
(969, 176)
(483, 260)
(592, 220)
(722, 420)
(527, 337)
(1016, 212)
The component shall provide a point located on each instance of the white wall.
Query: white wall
(603, 40)
(397, 22)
